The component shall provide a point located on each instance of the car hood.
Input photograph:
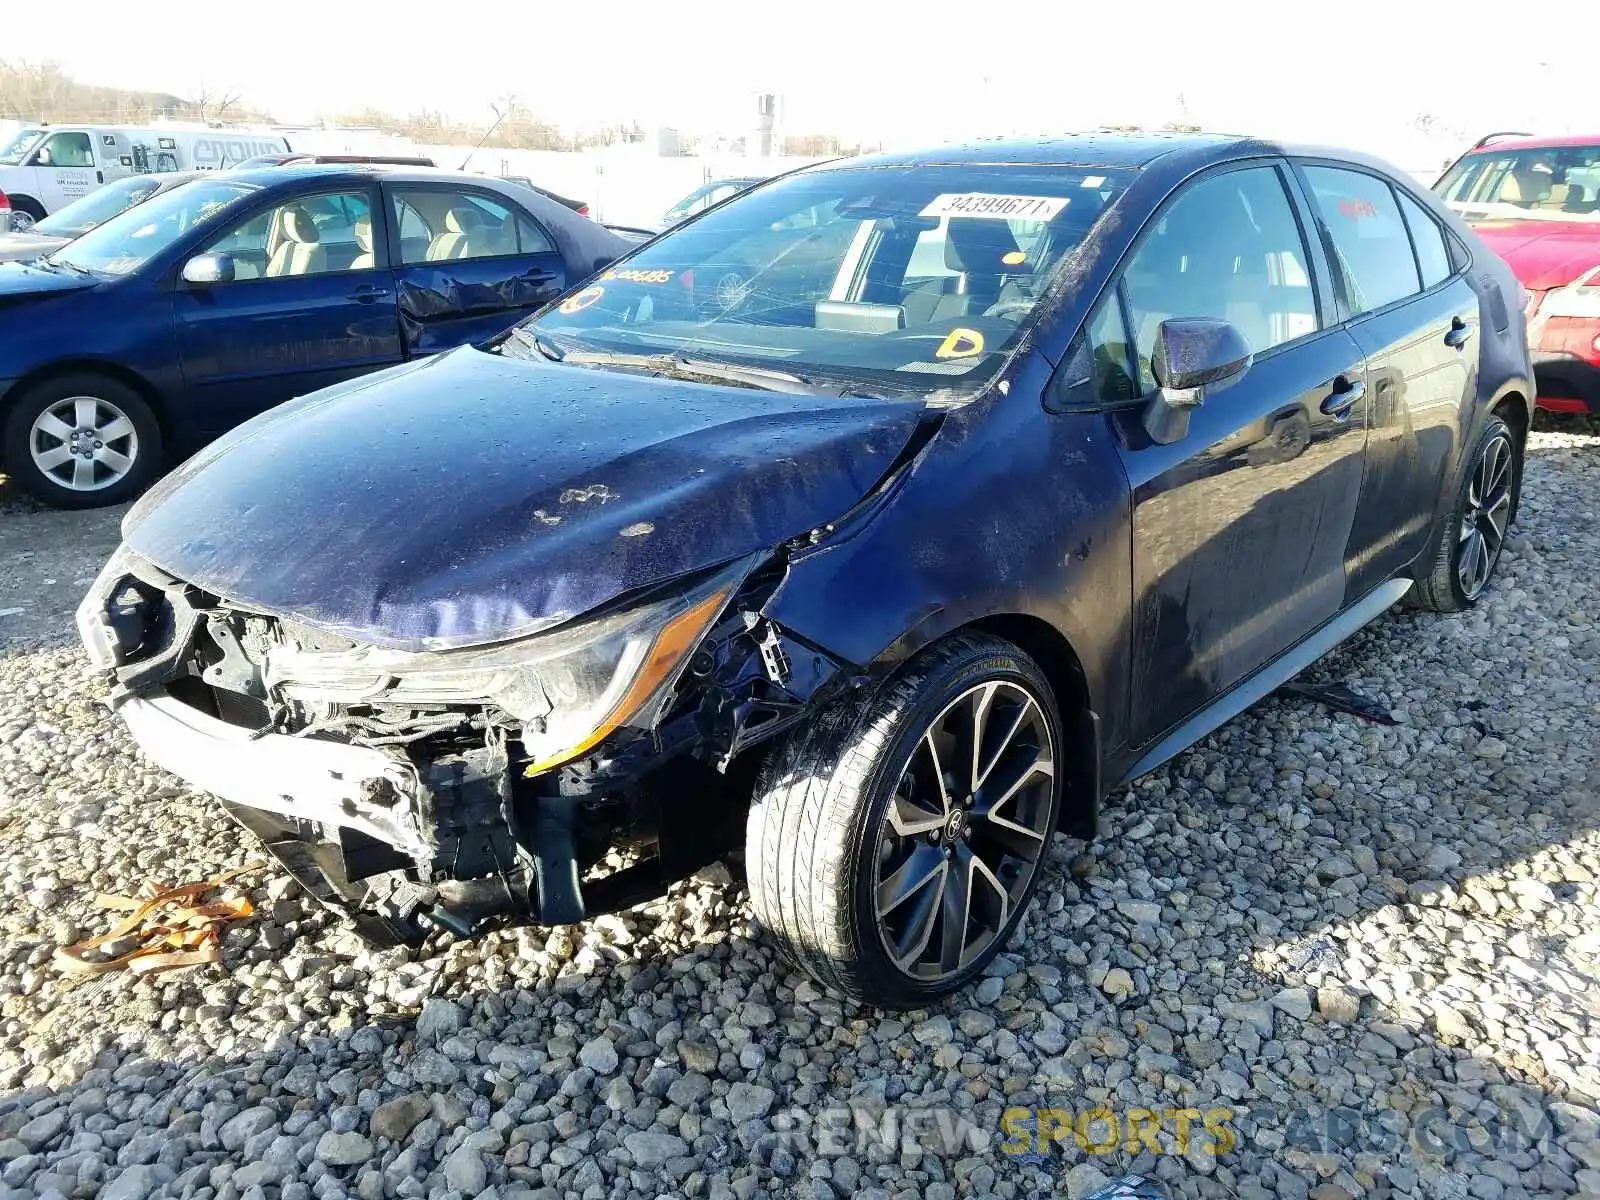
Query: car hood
(28, 279)
(1544, 254)
(15, 247)
(474, 498)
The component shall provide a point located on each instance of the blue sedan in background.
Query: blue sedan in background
(176, 320)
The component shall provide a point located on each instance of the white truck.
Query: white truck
(43, 167)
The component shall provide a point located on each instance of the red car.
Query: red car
(1536, 203)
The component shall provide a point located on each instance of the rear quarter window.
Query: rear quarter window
(1433, 259)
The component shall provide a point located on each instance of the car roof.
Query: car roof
(1537, 143)
(335, 172)
(1104, 149)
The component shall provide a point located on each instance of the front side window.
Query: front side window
(444, 225)
(66, 149)
(1560, 183)
(911, 278)
(1370, 244)
(127, 241)
(1228, 247)
(308, 235)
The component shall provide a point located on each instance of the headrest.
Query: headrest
(363, 232)
(298, 226)
(463, 220)
(982, 245)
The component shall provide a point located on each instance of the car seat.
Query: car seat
(977, 249)
(463, 232)
(298, 252)
(1524, 187)
(365, 260)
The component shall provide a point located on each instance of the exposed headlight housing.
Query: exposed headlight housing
(570, 687)
(116, 615)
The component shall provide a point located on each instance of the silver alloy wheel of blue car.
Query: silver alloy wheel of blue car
(83, 443)
(966, 830)
(1485, 517)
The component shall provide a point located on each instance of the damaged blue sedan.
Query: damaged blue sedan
(878, 523)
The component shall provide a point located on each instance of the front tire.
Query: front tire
(82, 440)
(1469, 545)
(25, 213)
(896, 841)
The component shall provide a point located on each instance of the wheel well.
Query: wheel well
(92, 366)
(27, 204)
(1512, 408)
(1043, 643)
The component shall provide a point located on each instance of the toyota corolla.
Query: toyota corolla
(878, 522)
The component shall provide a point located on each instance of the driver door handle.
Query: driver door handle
(1346, 392)
(1460, 333)
(366, 293)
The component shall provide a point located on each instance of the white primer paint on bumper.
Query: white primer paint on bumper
(295, 777)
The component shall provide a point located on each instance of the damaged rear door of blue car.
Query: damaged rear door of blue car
(468, 264)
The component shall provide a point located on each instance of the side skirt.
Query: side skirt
(1270, 677)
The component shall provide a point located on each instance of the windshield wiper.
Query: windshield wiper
(682, 366)
(679, 365)
(61, 262)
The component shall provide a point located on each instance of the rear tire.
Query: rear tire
(82, 440)
(1467, 547)
(902, 906)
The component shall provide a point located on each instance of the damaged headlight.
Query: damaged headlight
(116, 614)
(570, 687)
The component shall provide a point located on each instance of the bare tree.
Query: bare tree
(214, 107)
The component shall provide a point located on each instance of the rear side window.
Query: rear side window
(1371, 246)
(440, 225)
(1428, 238)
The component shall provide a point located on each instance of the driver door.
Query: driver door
(67, 168)
(1241, 528)
(312, 303)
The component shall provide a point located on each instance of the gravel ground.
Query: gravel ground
(1376, 946)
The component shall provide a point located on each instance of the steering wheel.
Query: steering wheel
(1004, 308)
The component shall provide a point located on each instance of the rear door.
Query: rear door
(469, 263)
(1415, 317)
(312, 303)
(1241, 528)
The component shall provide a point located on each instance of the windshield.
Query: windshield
(888, 276)
(130, 239)
(13, 152)
(98, 206)
(1561, 183)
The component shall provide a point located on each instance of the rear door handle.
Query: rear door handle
(366, 294)
(1346, 392)
(1460, 333)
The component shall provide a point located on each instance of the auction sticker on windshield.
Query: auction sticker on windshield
(995, 207)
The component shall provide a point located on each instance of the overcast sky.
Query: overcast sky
(1351, 72)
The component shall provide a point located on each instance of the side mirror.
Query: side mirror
(43, 158)
(209, 268)
(1193, 356)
